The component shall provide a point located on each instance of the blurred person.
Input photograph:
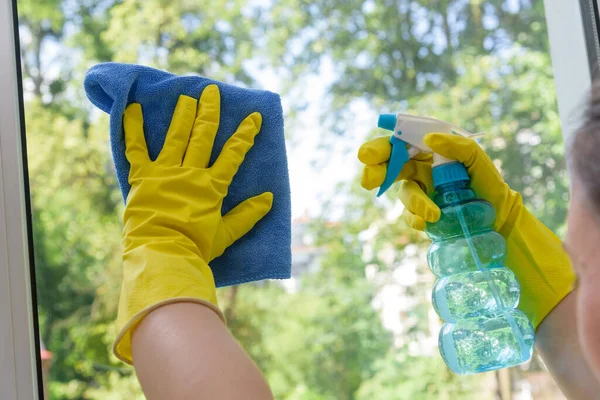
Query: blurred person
(171, 327)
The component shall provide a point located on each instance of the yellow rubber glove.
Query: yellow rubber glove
(534, 253)
(173, 222)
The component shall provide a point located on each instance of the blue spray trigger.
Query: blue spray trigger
(398, 157)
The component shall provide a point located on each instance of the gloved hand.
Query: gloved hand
(534, 253)
(415, 173)
(173, 222)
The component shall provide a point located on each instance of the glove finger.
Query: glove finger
(453, 147)
(414, 221)
(136, 150)
(419, 171)
(423, 157)
(242, 218)
(205, 128)
(465, 150)
(235, 149)
(375, 151)
(179, 131)
(417, 202)
(414, 170)
(373, 176)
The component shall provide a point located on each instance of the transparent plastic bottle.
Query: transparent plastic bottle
(476, 295)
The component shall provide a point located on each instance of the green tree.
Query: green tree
(40, 22)
(512, 98)
(394, 50)
(76, 250)
(184, 36)
(318, 343)
(480, 64)
(77, 205)
(402, 377)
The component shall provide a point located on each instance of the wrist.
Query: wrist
(541, 265)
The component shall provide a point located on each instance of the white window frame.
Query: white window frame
(591, 22)
(570, 58)
(19, 348)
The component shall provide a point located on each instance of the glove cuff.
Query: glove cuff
(157, 274)
(541, 265)
(122, 344)
(509, 214)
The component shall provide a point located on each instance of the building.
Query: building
(305, 254)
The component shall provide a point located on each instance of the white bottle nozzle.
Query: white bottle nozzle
(412, 129)
(407, 141)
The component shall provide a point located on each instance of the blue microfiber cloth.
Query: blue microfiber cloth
(265, 252)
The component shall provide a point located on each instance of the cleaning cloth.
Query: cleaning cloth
(263, 253)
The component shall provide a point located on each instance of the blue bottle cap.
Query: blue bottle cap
(449, 173)
(387, 121)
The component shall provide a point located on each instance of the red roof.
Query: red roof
(46, 355)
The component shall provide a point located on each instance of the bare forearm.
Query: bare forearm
(558, 343)
(184, 351)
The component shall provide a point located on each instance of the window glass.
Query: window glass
(355, 321)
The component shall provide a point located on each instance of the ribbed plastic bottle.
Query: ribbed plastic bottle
(475, 294)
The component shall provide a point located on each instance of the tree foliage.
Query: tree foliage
(480, 64)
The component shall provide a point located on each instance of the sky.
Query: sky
(310, 185)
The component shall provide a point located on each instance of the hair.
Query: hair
(584, 149)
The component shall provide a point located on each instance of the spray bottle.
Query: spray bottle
(475, 294)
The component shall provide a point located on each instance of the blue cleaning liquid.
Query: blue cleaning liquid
(476, 295)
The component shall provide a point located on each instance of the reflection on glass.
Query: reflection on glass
(356, 320)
